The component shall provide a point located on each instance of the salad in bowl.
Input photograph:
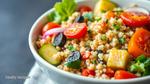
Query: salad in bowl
(104, 41)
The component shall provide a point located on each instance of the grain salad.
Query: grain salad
(107, 42)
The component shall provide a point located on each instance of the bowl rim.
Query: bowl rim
(68, 74)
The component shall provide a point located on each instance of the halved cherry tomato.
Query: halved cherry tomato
(110, 72)
(48, 26)
(84, 8)
(140, 43)
(77, 30)
(87, 72)
(135, 19)
(121, 74)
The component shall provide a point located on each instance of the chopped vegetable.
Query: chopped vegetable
(122, 40)
(94, 62)
(135, 19)
(73, 60)
(98, 19)
(86, 55)
(110, 72)
(103, 37)
(77, 30)
(53, 32)
(48, 52)
(104, 26)
(137, 10)
(121, 74)
(116, 27)
(147, 67)
(138, 67)
(48, 26)
(59, 40)
(139, 43)
(71, 48)
(141, 66)
(88, 16)
(117, 59)
(87, 72)
(141, 58)
(103, 6)
(110, 14)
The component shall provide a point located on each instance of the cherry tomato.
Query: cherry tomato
(110, 72)
(84, 8)
(77, 30)
(140, 43)
(135, 19)
(87, 72)
(121, 74)
(48, 26)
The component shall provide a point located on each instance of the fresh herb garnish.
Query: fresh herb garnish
(141, 65)
(141, 58)
(93, 61)
(116, 27)
(71, 48)
(122, 40)
(98, 18)
(103, 37)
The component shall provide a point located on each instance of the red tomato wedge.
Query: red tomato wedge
(135, 19)
(110, 72)
(77, 30)
(140, 43)
(121, 74)
(84, 8)
(48, 26)
(87, 72)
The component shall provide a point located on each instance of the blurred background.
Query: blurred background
(16, 19)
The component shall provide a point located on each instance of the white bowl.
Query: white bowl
(63, 77)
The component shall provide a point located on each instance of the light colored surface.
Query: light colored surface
(36, 76)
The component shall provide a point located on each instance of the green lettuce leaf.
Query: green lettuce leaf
(65, 8)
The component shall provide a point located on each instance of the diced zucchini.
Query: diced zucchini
(48, 52)
(117, 59)
(103, 6)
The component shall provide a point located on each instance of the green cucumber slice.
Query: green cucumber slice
(48, 52)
